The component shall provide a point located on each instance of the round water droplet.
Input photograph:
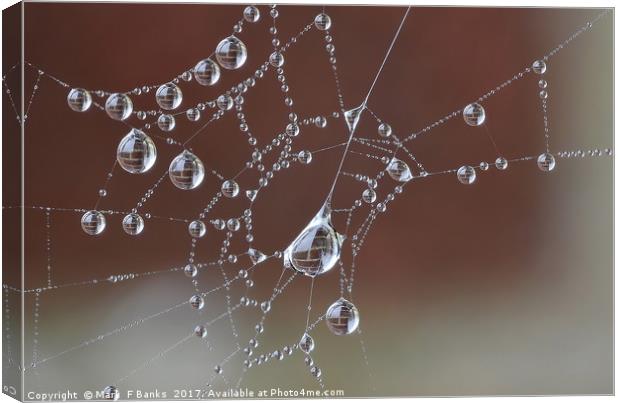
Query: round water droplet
(193, 114)
(316, 372)
(103, 192)
(276, 59)
(224, 102)
(186, 171)
(539, 67)
(230, 189)
(190, 270)
(93, 222)
(200, 331)
(305, 157)
(342, 317)
(384, 130)
(265, 306)
(136, 153)
(218, 369)
(542, 84)
(466, 175)
(322, 22)
(133, 224)
(251, 14)
(207, 72)
(111, 393)
(233, 224)
(543, 94)
(197, 229)
(169, 96)
(501, 163)
(546, 162)
(369, 196)
(231, 53)
(118, 106)
(474, 114)
(399, 170)
(197, 302)
(166, 122)
(306, 344)
(484, 166)
(79, 99)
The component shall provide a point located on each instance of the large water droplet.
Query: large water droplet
(136, 152)
(93, 222)
(342, 317)
(399, 170)
(186, 171)
(317, 248)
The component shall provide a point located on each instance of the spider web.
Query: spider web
(241, 316)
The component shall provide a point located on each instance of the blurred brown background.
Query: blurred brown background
(503, 287)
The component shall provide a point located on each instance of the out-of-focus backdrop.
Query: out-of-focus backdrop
(502, 287)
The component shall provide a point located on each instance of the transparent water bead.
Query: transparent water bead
(546, 162)
(466, 175)
(539, 67)
(197, 229)
(474, 114)
(256, 256)
(265, 306)
(306, 344)
(207, 72)
(193, 114)
(118, 106)
(230, 189)
(276, 59)
(501, 163)
(166, 122)
(186, 171)
(315, 372)
(93, 222)
(317, 248)
(369, 196)
(399, 170)
(352, 117)
(136, 152)
(224, 102)
(218, 369)
(111, 393)
(251, 14)
(322, 22)
(342, 317)
(197, 302)
(169, 96)
(200, 331)
(79, 99)
(231, 53)
(133, 224)
(251, 194)
(305, 157)
(190, 270)
(384, 130)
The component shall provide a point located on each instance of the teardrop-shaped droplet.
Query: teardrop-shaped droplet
(256, 256)
(317, 248)
(399, 170)
(306, 344)
(352, 117)
(251, 194)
